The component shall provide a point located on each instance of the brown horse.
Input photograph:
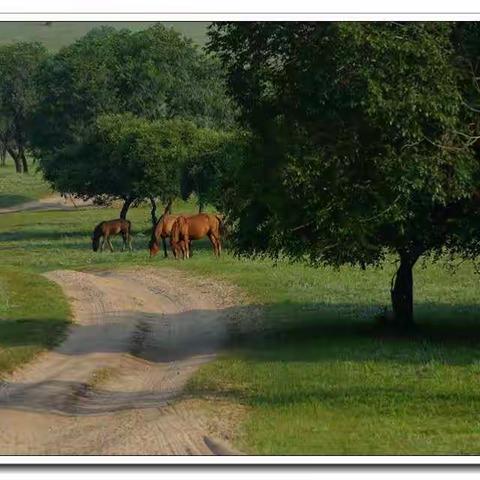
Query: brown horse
(196, 227)
(162, 230)
(107, 228)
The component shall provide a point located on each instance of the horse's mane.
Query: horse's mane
(97, 232)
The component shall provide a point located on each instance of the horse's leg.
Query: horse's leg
(129, 237)
(219, 246)
(124, 243)
(213, 241)
(102, 243)
(109, 243)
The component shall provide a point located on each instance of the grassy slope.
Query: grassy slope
(18, 188)
(59, 34)
(315, 373)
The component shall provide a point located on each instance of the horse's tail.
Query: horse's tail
(221, 224)
(175, 232)
(179, 228)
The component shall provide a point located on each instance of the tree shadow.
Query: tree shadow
(256, 333)
(8, 200)
(76, 398)
(32, 235)
(161, 337)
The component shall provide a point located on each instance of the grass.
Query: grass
(315, 372)
(17, 188)
(33, 317)
(60, 34)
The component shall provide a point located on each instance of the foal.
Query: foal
(105, 229)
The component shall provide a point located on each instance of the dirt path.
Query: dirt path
(110, 387)
(52, 202)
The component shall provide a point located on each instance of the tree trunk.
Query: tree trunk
(24, 162)
(200, 207)
(18, 165)
(168, 207)
(16, 159)
(3, 153)
(153, 211)
(402, 291)
(126, 205)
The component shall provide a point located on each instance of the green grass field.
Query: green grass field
(315, 372)
(60, 34)
(15, 188)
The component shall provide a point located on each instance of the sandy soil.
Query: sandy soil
(111, 387)
(52, 202)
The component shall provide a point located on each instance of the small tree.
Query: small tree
(360, 145)
(19, 64)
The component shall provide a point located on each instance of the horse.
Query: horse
(162, 230)
(196, 227)
(112, 227)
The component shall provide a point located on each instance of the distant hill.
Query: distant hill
(58, 34)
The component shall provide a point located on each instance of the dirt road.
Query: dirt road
(110, 387)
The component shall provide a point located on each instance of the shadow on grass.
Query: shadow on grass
(33, 235)
(43, 333)
(319, 336)
(78, 239)
(11, 200)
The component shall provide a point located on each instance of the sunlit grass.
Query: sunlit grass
(17, 188)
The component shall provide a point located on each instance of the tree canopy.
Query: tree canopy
(153, 74)
(131, 158)
(361, 142)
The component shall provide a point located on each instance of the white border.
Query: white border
(241, 460)
(205, 17)
(78, 11)
(214, 7)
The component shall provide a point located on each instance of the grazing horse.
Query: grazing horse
(107, 228)
(196, 227)
(162, 230)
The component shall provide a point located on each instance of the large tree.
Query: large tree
(19, 96)
(360, 148)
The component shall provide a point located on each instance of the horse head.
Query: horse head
(154, 247)
(97, 233)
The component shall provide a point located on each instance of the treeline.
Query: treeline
(332, 143)
(117, 114)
